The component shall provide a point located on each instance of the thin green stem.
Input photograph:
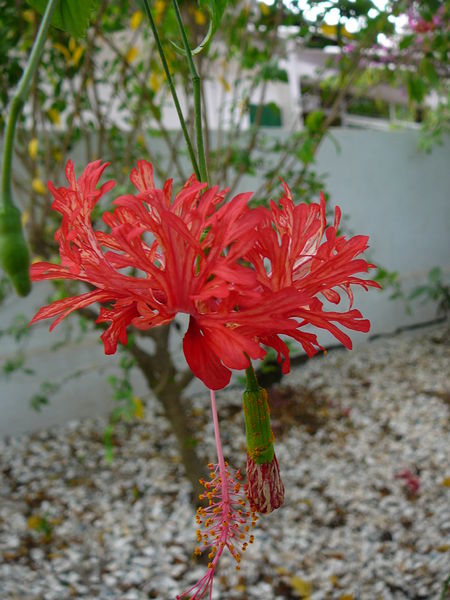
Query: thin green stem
(18, 101)
(197, 95)
(172, 91)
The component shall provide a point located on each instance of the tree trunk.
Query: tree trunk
(167, 384)
(161, 376)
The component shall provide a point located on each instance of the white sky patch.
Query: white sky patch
(311, 13)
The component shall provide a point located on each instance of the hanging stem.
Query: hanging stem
(18, 101)
(173, 92)
(220, 458)
(197, 95)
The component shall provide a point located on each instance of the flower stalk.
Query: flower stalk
(197, 95)
(173, 91)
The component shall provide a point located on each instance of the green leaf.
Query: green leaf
(306, 152)
(314, 120)
(215, 8)
(428, 70)
(69, 15)
(435, 275)
(38, 401)
(418, 291)
(272, 72)
(416, 87)
(406, 41)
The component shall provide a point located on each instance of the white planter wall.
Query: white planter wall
(386, 189)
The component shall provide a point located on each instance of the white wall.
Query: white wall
(385, 187)
(400, 197)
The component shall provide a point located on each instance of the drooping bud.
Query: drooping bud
(265, 489)
(14, 256)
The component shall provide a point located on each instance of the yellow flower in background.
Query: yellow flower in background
(72, 54)
(25, 217)
(63, 50)
(54, 116)
(29, 15)
(160, 6)
(155, 81)
(76, 56)
(199, 17)
(136, 19)
(38, 186)
(33, 147)
(331, 31)
(264, 8)
(139, 409)
(131, 55)
(225, 84)
(57, 154)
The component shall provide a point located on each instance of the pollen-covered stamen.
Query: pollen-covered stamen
(225, 522)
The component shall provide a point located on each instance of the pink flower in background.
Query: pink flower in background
(410, 480)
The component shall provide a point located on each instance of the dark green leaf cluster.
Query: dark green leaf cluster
(72, 16)
(435, 290)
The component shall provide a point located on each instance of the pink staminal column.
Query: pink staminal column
(226, 520)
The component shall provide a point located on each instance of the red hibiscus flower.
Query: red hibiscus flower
(199, 255)
(188, 253)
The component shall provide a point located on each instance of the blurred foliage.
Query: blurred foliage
(434, 290)
(128, 406)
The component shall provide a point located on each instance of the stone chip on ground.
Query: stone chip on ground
(73, 526)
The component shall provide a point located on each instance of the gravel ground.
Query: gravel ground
(363, 445)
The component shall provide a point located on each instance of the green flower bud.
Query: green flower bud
(265, 489)
(257, 421)
(14, 256)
